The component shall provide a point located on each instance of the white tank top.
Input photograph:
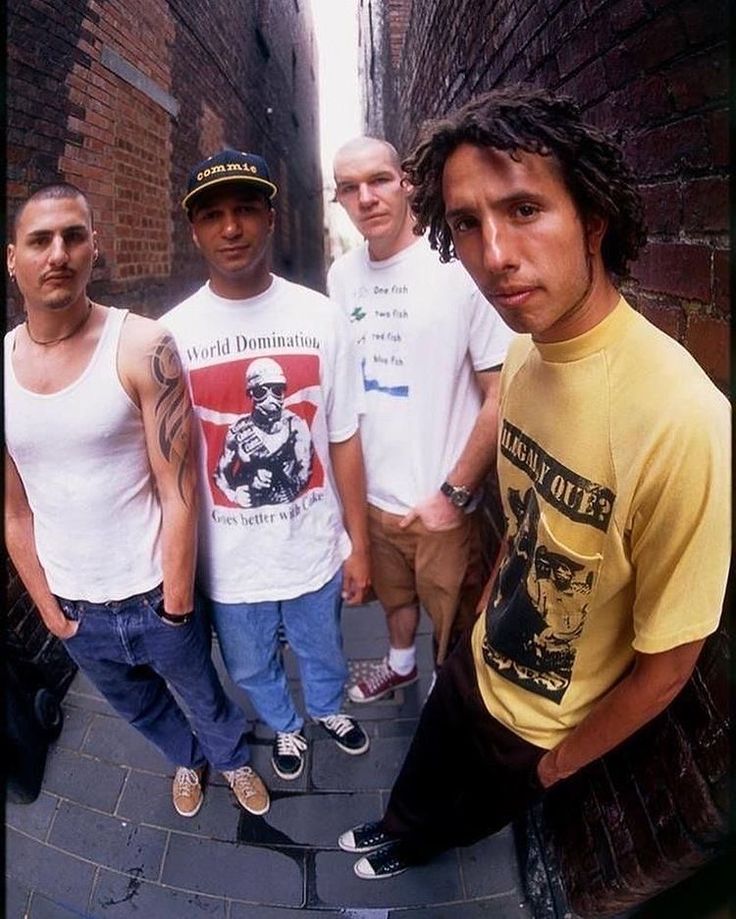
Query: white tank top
(81, 455)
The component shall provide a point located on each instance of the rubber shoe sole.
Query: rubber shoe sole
(288, 776)
(198, 789)
(363, 839)
(357, 700)
(385, 863)
(354, 742)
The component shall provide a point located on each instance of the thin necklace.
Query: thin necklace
(55, 341)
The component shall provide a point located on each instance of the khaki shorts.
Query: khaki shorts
(439, 570)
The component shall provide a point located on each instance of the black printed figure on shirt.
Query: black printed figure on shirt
(267, 454)
(539, 607)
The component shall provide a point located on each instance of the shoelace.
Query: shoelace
(243, 780)
(377, 677)
(186, 780)
(290, 744)
(340, 724)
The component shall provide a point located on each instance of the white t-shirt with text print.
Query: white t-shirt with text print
(422, 329)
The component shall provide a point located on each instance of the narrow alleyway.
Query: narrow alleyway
(103, 841)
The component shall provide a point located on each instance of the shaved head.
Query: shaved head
(57, 191)
(360, 145)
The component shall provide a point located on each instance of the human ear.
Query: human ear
(595, 230)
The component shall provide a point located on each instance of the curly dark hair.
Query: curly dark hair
(518, 118)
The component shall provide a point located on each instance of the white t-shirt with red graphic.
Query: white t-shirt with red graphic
(274, 380)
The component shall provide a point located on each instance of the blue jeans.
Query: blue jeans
(248, 634)
(130, 654)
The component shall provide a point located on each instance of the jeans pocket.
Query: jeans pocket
(155, 602)
(73, 613)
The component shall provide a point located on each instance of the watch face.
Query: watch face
(458, 495)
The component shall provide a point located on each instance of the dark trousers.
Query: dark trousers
(465, 775)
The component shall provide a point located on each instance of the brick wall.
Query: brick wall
(653, 71)
(122, 97)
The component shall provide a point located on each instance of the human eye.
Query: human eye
(525, 210)
(77, 235)
(347, 189)
(462, 224)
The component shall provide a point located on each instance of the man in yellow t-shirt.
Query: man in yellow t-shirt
(614, 466)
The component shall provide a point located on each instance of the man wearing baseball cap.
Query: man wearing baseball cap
(283, 532)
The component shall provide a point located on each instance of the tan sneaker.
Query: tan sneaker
(249, 789)
(186, 791)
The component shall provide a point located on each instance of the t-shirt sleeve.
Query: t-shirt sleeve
(344, 385)
(336, 286)
(331, 283)
(489, 335)
(680, 529)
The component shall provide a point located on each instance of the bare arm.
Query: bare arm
(21, 545)
(437, 512)
(346, 458)
(650, 686)
(151, 368)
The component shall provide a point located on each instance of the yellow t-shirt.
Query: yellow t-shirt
(614, 464)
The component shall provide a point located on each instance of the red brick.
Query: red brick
(699, 80)
(718, 135)
(627, 14)
(662, 208)
(704, 22)
(706, 204)
(708, 340)
(670, 321)
(588, 84)
(721, 281)
(668, 148)
(660, 40)
(639, 102)
(675, 268)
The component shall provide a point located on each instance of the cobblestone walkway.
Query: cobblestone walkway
(103, 840)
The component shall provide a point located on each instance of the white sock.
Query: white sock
(402, 660)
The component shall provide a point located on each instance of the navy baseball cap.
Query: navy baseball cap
(229, 166)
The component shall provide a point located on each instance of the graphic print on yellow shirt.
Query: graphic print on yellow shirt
(543, 590)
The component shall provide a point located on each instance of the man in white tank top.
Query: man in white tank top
(100, 504)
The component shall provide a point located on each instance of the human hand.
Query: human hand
(262, 479)
(241, 496)
(546, 771)
(65, 629)
(437, 513)
(356, 577)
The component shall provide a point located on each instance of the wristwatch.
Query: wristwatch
(459, 495)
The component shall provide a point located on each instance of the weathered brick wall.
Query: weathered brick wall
(653, 71)
(122, 97)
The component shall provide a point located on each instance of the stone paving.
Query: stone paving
(103, 840)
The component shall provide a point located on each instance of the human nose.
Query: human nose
(231, 226)
(58, 254)
(498, 249)
(365, 194)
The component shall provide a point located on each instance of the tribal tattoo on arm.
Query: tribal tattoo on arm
(172, 411)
